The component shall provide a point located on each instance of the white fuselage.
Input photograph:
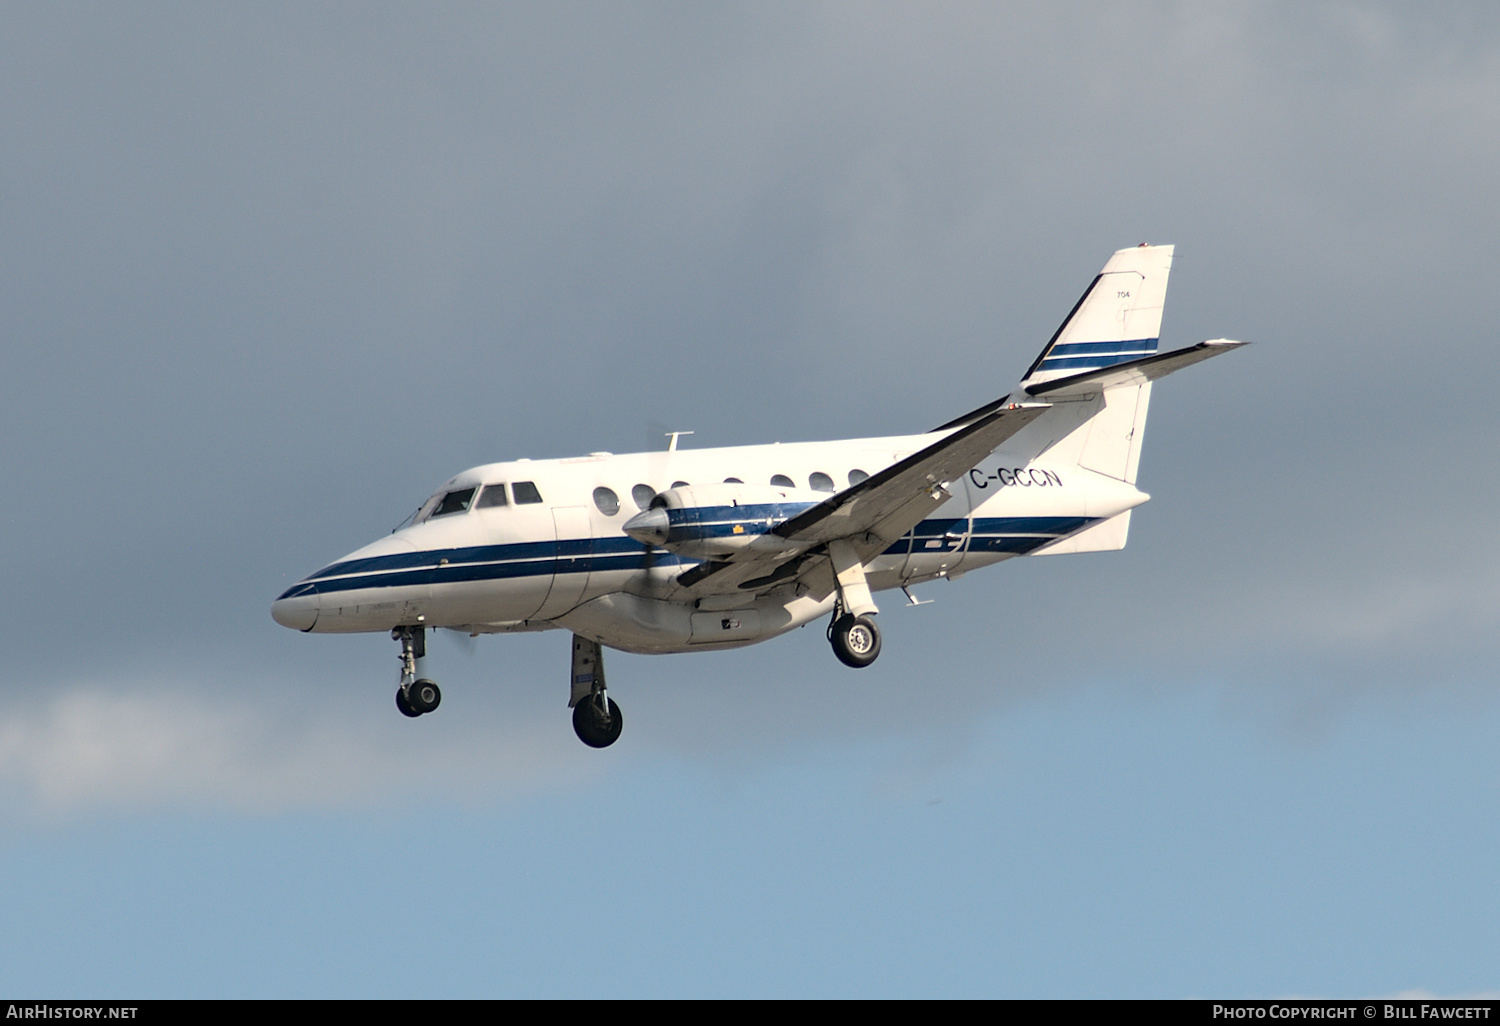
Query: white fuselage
(688, 550)
(555, 554)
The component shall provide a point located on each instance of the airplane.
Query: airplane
(688, 550)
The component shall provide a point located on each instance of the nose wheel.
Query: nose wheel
(414, 696)
(404, 705)
(420, 698)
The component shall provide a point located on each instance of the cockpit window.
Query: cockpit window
(455, 502)
(493, 495)
(526, 492)
(421, 513)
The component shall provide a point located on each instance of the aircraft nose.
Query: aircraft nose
(297, 607)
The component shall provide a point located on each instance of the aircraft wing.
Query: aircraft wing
(871, 514)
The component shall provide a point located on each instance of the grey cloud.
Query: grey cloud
(270, 275)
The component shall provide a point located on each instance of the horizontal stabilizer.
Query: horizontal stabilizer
(1134, 372)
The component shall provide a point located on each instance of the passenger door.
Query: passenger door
(575, 547)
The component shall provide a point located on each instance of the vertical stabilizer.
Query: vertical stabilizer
(1118, 318)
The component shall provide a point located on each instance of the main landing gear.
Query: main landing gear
(852, 631)
(596, 717)
(415, 696)
(597, 721)
(855, 639)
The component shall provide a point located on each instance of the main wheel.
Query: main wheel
(856, 640)
(424, 696)
(594, 726)
(404, 705)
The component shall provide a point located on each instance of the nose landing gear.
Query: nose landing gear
(414, 696)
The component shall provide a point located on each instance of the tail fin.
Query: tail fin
(1097, 372)
(1117, 321)
(1118, 318)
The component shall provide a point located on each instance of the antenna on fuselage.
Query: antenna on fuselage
(658, 478)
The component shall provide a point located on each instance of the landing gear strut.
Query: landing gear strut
(596, 718)
(414, 696)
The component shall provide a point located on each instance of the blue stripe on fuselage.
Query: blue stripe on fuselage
(597, 555)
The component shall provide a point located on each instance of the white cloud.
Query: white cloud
(129, 747)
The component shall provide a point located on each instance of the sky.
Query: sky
(270, 274)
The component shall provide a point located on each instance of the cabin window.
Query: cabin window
(526, 492)
(856, 476)
(643, 494)
(820, 482)
(493, 495)
(455, 502)
(607, 501)
(679, 484)
(733, 480)
(782, 481)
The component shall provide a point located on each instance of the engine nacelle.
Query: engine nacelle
(708, 521)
